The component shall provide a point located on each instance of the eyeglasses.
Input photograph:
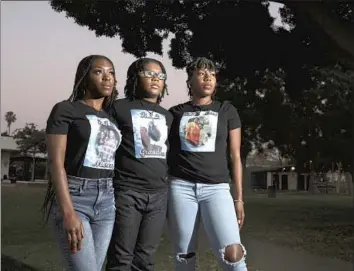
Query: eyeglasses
(151, 74)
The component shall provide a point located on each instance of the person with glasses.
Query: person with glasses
(140, 180)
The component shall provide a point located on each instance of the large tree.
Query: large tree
(318, 126)
(143, 24)
(263, 71)
(332, 22)
(31, 141)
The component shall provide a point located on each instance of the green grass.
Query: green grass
(322, 225)
(25, 239)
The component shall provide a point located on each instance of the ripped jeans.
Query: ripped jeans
(188, 203)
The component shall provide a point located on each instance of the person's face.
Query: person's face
(101, 78)
(152, 80)
(203, 82)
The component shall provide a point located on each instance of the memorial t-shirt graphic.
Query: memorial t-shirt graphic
(103, 143)
(150, 134)
(197, 131)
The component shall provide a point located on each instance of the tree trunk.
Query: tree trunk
(33, 166)
(246, 176)
(312, 183)
(349, 180)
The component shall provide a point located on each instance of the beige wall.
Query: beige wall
(292, 181)
(8, 143)
(5, 163)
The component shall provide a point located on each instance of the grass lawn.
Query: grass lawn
(321, 225)
(24, 238)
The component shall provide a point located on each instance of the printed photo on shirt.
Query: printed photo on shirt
(150, 134)
(103, 142)
(197, 131)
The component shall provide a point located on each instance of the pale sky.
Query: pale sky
(40, 51)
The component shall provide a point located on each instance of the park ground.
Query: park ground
(317, 225)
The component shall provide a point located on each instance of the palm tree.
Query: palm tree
(10, 118)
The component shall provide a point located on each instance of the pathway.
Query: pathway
(269, 257)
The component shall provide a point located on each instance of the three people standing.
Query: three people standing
(194, 136)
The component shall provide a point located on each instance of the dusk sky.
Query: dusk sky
(40, 50)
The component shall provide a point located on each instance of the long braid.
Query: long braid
(80, 86)
(132, 87)
(81, 72)
(48, 200)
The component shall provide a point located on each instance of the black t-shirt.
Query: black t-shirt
(141, 162)
(92, 139)
(199, 140)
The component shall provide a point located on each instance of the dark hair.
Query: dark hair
(80, 86)
(199, 63)
(81, 80)
(131, 88)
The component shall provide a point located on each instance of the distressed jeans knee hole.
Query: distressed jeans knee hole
(233, 254)
(183, 257)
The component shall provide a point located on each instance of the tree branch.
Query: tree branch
(341, 35)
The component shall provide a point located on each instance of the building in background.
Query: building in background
(8, 148)
(17, 166)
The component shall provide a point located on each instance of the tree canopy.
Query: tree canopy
(30, 139)
(273, 76)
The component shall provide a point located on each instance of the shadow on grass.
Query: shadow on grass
(11, 264)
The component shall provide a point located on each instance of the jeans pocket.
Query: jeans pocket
(108, 205)
(75, 189)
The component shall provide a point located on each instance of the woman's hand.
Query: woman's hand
(75, 231)
(56, 145)
(240, 213)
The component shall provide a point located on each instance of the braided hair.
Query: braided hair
(199, 63)
(79, 89)
(82, 79)
(132, 88)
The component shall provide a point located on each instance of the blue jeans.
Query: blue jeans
(188, 203)
(94, 203)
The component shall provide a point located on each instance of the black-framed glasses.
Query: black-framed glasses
(151, 74)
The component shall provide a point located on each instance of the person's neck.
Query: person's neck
(150, 100)
(201, 101)
(96, 104)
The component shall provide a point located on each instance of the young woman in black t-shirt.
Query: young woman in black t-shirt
(140, 179)
(82, 141)
(203, 132)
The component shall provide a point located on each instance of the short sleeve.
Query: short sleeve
(233, 119)
(169, 119)
(60, 119)
(173, 119)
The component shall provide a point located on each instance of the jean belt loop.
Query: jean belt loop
(84, 184)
